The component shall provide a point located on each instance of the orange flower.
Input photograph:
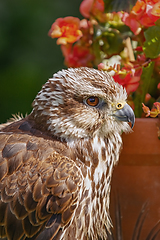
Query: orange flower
(77, 55)
(139, 8)
(156, 9)
(146, 110)
(66, 30)
(144, 13)
(153, 112)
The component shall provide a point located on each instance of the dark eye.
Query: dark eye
(92, 101)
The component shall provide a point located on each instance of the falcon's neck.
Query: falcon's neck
(96, 158)
(96, 151)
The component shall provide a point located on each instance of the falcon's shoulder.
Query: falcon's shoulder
(39, 187)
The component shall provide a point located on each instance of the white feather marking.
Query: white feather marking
(100, 169)
(87, 183)
(97, 144)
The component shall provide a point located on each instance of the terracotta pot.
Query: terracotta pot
(136, 179)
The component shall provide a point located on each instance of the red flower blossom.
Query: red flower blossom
(128, 78)
(77, 55)
(130, 20)
(144, 13)
(93, 7)
(86, 8)
(66, 30)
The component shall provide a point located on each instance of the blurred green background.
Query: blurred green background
(28, 57)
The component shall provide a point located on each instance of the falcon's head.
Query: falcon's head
(80, 103)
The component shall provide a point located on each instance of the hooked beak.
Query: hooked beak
(125, 114)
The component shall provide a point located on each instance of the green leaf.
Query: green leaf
(152, 44)
(114, 41)
(143, 88)
(158, 22)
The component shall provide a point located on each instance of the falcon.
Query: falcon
(56, 163)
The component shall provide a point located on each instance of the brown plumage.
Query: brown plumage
(56, 163)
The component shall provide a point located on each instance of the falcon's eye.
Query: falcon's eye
(92, 101)
(119, 105)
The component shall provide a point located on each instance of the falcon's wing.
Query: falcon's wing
(38, 187)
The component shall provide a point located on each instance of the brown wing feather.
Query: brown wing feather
(38, 187)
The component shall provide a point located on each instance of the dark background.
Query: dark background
(28, 57)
